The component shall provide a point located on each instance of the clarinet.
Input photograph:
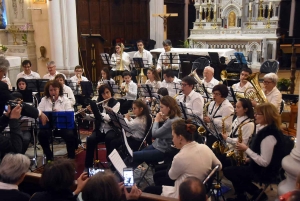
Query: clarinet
(53, 103)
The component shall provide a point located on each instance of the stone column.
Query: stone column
(291, 164)
(63, 34)
(156, 23)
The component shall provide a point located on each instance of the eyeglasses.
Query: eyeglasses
(217, 94)
(78, 71)
(267, 82)
(26, 66)
(258, 114)
(183, 85)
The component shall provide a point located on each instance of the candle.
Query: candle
(250, 6)
(200, 10)
(270, 5)
(209, 1)
(215, 9)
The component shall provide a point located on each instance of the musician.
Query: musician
(54, 89)
(273, 95)
(243, 84)
(116, 59)
(145, 55)
(130, 88)
(27, 72)
(51, 66)
(164, 58)
(209, 80)
(103, 131)
(264, 154)
(244, 115)
(169, 112)
(6, 80)
(105, 77)
(169, 82)
(194, 102)
(21, 84)
(66, 90)
(153, 79)
(78, 75)
(218, 109)
(137, 125)
(193, 159)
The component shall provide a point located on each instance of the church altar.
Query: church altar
(247, 26)
(14, 69)
(197, 51)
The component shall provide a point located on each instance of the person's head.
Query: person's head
(182, 132)
(139, 108)
(60, 78)
(267, 114)
(105, 73)
(13, 168)
(106, 186)
(21, 84)
(26, 64)
(58, 175)
(168, 75)
(53, 88)
(270, 81)
(51, 66)
(4, 65)
(208, 73)
(244, 74)
(243, 107)
(152, 74)
(219, 92)
(140, 45)
(192, 189)
(162, 91)
(169, 107)
(294, 196)
(118, 48)
(105, 92)
(187, 85)
(167, 44)
(16, 95)
(78, 70)
(126, 76)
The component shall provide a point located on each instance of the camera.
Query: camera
(14, 103)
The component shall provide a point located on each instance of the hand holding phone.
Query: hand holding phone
(128, 177)
(93, 171)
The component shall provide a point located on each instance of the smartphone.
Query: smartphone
(128, 177)
(93, 171)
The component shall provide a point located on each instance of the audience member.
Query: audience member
(192, 189)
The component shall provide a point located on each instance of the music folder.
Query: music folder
(117, 161)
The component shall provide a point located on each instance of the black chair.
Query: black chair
(213, 189)
(269, 67)
(199, 65)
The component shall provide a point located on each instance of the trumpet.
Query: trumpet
(124, 90)
(84, 109)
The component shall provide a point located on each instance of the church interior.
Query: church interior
(224, 37)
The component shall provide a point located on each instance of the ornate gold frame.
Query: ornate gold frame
(39, 1)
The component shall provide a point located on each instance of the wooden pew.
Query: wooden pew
(34, 178)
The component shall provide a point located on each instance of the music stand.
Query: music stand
(105, 58)
(148, 90)
(27, 96)
(231, 95)
(240, 58)
(87, 88)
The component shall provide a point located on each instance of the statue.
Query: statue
(231, 19)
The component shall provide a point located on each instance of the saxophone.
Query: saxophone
(201, 130)
(221, 144)
(240, 154)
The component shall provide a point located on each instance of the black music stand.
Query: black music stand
(105, 58)
(231, 95)
(87, 88)
(27, 95)
(36, 85)
(148, 91)
(169, 56)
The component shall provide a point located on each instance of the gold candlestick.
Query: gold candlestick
(268, 26)
(215, 20)
(200, 21)
(208, 17)
(260, 17)
(250, 18)
(13, 30)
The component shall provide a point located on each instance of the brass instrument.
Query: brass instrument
(84, 109)
(121, 67)
(124, 90)
(201, 130)
(175, 96)
(255, 93)
(239, 157)
(221, 144)
(224, 75)
(196, 77)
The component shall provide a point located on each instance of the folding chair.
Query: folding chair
(211, 187)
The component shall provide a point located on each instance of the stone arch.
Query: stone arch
(229, 8)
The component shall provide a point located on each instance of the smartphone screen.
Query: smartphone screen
(93, 171)
(128, 177)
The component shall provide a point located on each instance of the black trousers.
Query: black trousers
(241, 178)
(157, 190)
(162, 178)
(67, 134)
(125, 105)
(117, 142)
(92, 142)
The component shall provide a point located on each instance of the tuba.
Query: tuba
(224, 75)
(255, 92)
(198, 81)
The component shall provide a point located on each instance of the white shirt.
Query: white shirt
(104, 125)
(237, 87)
(32, 75)
(210, 85)
(155, 84)
(266, 146)
(61, 104)
(75, 79)
(194, 103)
(137, 127)
(132, 91)
(51, 77)
(171, 86)
(247, 131)
(192, 160)
(7, 81)
(217, 113)
(274, 97)
(146, 55)
(164, 57)
(69, 94)
(125, 59)
(5, 186)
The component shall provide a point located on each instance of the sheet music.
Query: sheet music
(117, 161)
(126, 143)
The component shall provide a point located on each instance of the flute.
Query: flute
(84, 109)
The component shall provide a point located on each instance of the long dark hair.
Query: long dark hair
(246, 104)
(21, 80)
(101, 91)
(106, 70)
(141, 104)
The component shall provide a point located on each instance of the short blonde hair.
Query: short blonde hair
(272, 76)
(211, 69)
